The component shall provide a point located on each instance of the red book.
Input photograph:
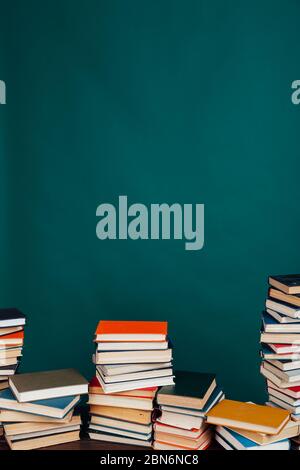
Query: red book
(131, 330)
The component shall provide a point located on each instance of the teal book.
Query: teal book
(52, 408)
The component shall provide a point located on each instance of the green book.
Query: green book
(191, 390)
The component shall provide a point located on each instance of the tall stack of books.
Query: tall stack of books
(280, 338)
(132, 359)
(246, 426)
(12, 323)
(181, 423)
(37, 410)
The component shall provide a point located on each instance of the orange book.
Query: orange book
(131, 330)
(248, 416)
(12, 338)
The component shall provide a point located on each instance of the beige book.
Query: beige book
(7, 416)
(15, 429)
(126, 414)
(290, 430)
(45, 441)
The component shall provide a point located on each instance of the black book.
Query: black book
(11, 317)
(191, 390)
(287, 283)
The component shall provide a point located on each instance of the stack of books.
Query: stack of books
(12, 323)
(123, 417)
(181, 422)
(132, 359)
(280, 338)
(246, 426)
(37, 410)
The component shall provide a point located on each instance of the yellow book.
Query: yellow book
(248, 416)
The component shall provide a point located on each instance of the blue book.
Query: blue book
(271, 325)
(52, 408)
(239, 442)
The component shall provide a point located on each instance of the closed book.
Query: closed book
(287, 283)
(13, 338)
(49, 384)
(121, 401)
(248, 416)
(180, 420)
(272, 325)
(239, 442)
(133, 357)
(26, 430)
(284, 365)
(54, 408)
(135, 384)
(291, 376)
(11, 317)
(8, 416)
(132, 346)
(162, 446)
(183, 442)
(290, 299)
(283, 308)
(44, 441)
(269, 354)
(275, 379)
(10, 330)
(121, 424)
(291, 429)
(125, 414)
(107, 437)
(116, 369)
(131, 331)
(133, 376)
(215, 397)
(283, 338)
(281, 318)
(191, 390)
(120, 432)
(292, 391)
(150, 392)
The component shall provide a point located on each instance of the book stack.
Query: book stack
(280, 338)
(183, 407)
(123, 417)
(246, 426)
(132, 359)
(12, 323)
(37, 410)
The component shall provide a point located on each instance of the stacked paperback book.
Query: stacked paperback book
(132, 359)
(37, 410)
(181, 423)
(246, 426)
(280, 343)
(12, 323)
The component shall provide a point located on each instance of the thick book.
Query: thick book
(54, 408)
(180, 420)
(43, 441)
(135, 384)
(272, 325)
(8, 416)
(150, 392)
(259, 418)
(239, 442)
(290, 430)
(121, 401)
(134, 376)
(276, 379)
(131, 330)
(11, 317)
(191, 390)
(13, 338)
(121, 424)
(125, 414)
(108, 437)
(286, 375)
(282, 338)
(26, 430)
(49, 384)
(293, 391)
(116, 369)
(268, 353)
(10, 330)
(288, 298)
(133, 357)
(182, 442)
(283, 308)
(282, 318)
(287, 283)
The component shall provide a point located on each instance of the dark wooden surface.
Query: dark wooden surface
(86, 444)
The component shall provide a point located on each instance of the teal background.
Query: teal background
(163, 101)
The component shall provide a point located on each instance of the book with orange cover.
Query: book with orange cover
(12, 338)
(131, 330)
(258, 418)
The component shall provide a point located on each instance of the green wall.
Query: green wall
(164, 101)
